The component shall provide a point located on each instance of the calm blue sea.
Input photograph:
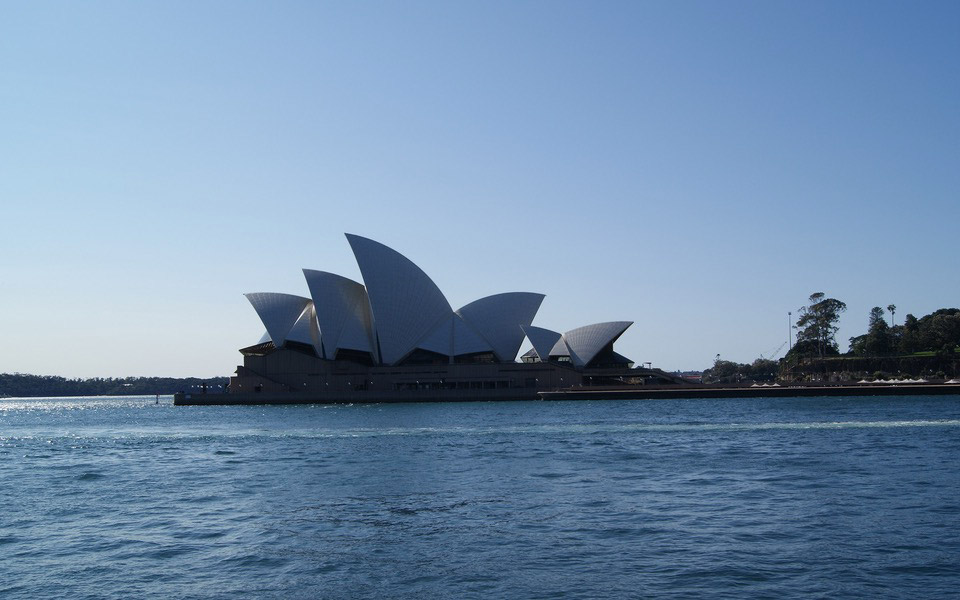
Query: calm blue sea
(745, 498)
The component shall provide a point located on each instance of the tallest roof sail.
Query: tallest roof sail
(405, 302)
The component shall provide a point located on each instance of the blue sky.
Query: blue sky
(697, 167)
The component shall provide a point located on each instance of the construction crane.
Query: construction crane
(775, 352)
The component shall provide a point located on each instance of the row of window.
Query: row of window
(452, 385)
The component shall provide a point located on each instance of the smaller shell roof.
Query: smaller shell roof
(560, 348)
(306, 331)
(585, 342)
(343, 312)
(543, 340)
(499, 319)
(279, 312)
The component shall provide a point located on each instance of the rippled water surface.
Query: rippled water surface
(758, 498)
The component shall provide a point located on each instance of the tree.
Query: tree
(893, 309)
(764, 369)
(722, 371)
(858, 345)
(940, 329)
(817, 325)
(726, 371)
(878, 334)
(910, 339)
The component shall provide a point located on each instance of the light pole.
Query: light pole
(790, 330)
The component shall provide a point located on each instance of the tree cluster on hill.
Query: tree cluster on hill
(938, 332)
(928, 346)
(21, 385)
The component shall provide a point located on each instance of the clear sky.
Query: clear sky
(697, 167)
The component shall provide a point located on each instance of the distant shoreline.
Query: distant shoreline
(23, 385)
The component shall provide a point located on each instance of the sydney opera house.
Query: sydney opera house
(395, 337)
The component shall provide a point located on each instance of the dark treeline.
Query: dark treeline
(938, 332)
(726, 371)
(31, 386)
(926, 347)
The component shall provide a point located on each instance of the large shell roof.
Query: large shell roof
(398, 309)
(405, 302)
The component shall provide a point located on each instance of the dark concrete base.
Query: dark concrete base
(579, 393)
(783, 391)
(359, 397)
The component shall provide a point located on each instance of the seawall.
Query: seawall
(783, 391)
(578, 393)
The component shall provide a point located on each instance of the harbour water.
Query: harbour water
(736, 498)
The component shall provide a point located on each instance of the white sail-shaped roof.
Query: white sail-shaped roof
(560, 348)
(454, 337)
(306, 331)
(585, 342)
(499, 320)
(405, 303)
(543, 340)
(466, 340)
(440, 338)
(279, 312)
(343, 312)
